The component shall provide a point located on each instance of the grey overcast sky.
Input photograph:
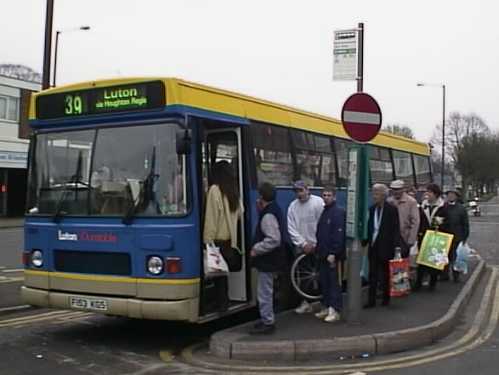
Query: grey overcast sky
(279, 50)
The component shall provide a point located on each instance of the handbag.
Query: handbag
(231, 255)
(214, 261)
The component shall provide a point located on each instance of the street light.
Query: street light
(443, 126)
(84, 28)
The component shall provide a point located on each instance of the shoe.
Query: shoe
(455, 276)
(305, 307)
(370, 305)
(262, 329)
(444, 276)
(332, 316)
(322, 314)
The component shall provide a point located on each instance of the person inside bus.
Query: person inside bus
(223, 209)
(267, 253)
(303, 215)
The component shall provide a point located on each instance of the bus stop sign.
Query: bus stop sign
(361, 117)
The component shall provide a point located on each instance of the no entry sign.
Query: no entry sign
(361, 117)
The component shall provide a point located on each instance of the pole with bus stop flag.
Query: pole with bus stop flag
(361, 119)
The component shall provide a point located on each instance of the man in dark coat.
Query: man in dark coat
(457, 224)
(267, 255)
(331, 251)
(383, 237)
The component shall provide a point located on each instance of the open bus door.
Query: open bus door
(225, 144)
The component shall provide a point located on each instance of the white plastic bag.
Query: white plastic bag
(213, 260)
(463, 253)
(413, 255)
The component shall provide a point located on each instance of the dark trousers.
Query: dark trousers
(422, 271)
(452, 258)
(330, 286)
(379, 275)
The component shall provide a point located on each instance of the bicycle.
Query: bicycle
(305, 276)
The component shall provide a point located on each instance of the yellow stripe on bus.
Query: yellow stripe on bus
(180, 92)
(113, 279)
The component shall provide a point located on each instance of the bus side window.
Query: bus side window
(341, 152)
(403, 167)
(273, 159)
(423, 170)
(380, 165)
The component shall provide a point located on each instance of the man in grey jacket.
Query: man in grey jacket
(266, 255)
(408, 215)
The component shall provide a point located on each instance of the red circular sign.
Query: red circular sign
(361, 117)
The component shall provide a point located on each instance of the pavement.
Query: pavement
(11, 222)
(408, 323)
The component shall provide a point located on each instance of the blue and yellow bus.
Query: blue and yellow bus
(118, 171)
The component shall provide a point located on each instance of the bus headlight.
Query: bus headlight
(155, 265)
(37, 258)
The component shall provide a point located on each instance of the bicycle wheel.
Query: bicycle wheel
(305, 276)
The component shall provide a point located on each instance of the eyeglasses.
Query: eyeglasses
(327, 194)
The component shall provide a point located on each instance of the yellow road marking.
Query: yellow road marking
(34, 318)
(12, 270)
(166, 356)
(6, 280)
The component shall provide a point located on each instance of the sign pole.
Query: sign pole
(361, 199)
(360, 59)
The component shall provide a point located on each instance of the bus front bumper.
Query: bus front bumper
(186, 309)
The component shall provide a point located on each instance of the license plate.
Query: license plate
(88, 303)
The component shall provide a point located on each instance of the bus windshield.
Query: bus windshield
(108, 172)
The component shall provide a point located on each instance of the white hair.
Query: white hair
(381, 187)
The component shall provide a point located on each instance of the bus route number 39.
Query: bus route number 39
(88, 303)
(73, 105)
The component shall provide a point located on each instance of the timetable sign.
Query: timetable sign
(101, 100)
(345, 55)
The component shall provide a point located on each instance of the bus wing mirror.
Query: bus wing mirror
(184, 138)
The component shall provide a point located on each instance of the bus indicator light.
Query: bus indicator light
(173, 265)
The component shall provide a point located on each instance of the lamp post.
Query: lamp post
(47, 51)
(443, 127)
(57, 33)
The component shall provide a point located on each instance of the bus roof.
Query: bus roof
(181, 92)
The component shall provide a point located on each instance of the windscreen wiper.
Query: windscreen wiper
(75, 179)
(146, 190)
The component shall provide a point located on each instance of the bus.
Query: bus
(118, 171)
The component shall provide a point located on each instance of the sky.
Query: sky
(279, 50)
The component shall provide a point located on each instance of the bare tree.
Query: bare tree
(457, 128)
(468, 145)
(397, 129)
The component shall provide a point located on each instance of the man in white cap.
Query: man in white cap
(408, 215)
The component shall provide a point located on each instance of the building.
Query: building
(14, 142)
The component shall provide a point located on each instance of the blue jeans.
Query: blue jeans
(330, 286)
(265, 296)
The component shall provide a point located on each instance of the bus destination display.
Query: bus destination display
(123, 98)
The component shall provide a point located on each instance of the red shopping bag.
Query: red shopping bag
(399, 277)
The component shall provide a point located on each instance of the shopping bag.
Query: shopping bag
(434, 249)
(399, 277)
(214, 261)
(463, 253)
